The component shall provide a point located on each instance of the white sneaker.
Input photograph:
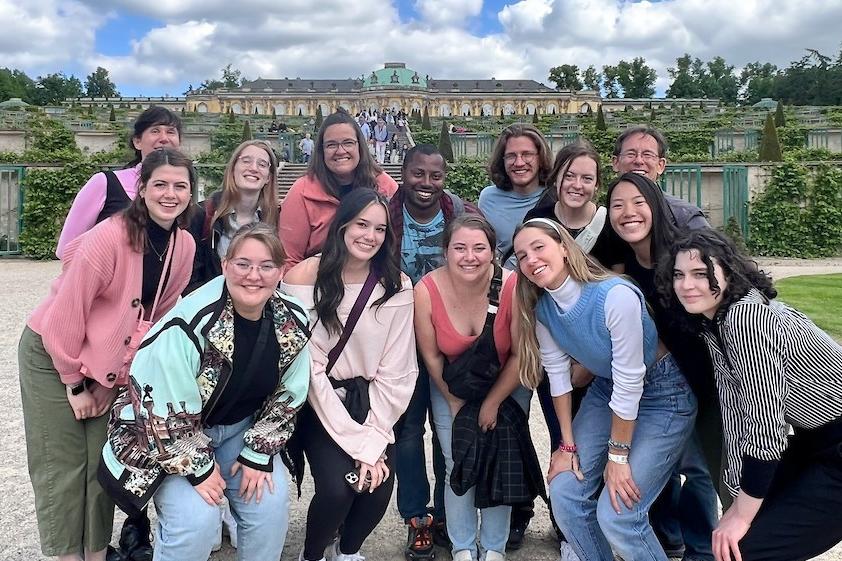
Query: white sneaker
(463, 555)
(348, 557)
(229, 523)
(301, 556)
(567, 553)
(494, 556)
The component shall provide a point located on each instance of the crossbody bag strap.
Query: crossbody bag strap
(167, 261)
(356, 312)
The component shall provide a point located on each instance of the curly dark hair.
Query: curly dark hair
(329, 289)
(740, 271)
(497, 164)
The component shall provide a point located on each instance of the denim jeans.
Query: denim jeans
(462, 520)
(664, 422)
(687, 514)
(410, 461)
(188, 526)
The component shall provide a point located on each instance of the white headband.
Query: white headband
(552, 224)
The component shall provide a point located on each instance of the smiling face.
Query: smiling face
(540, 258)
(469, 254)
(166, 194)
(155, 137)
(639, 153)
(578, 184)
(630, 214)
(423, 181)
(365, 234)
(691, 284)
(520, 159)
(342, 151)
(251, 277)
(252, 169)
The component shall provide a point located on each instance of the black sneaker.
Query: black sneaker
(135, 542)
(516, 534)
(419, 539)
(114, 554)
(440, 537)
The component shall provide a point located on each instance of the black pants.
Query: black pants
(334, 503)
(801, 516)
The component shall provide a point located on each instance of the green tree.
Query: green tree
(425, 121)
(610, 81)
(636, 78)
(719, 81)
(770, 147)
(445, 146)
(535, 119)
(780, 120)
(684, 83)
(246, 131)
(652, 115)
(99, 84)
(317, 124)
(15, 83)
(112, 116)
(566, 77)
(600, 119)
(591, 78)
(52, 89)
(757, 81)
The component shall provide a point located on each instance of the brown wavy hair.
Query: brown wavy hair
(497, 165)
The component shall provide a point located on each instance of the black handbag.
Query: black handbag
(472, 374)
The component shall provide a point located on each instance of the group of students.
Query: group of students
(195, 355)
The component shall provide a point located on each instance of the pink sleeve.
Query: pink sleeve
(294, 225)
(386, 185)
(86, 207)
(503, 321)
(85, 274)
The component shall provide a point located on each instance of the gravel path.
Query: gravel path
(27, 282)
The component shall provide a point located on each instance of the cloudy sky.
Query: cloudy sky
(159, 47)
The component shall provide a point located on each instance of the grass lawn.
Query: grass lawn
(817, 296)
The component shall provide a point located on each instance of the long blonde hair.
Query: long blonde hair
(580, 267)
(268, 204)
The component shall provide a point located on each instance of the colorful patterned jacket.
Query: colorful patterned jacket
(179, 372)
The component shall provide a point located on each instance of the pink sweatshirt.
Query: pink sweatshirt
(89, 202)
(306, 215)
(381, 349)
(93, 305)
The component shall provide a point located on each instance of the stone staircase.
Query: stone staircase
(291, 172)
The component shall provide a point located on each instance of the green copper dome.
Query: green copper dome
(394, 75)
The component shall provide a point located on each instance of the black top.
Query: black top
(153, 262)
(689, 350)
(608, 250)
(116, 198)
(254, 375)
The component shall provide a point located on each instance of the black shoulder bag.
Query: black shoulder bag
(473, 373)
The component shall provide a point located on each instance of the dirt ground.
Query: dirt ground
(26, 282)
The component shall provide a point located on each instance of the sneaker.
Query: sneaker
(419, 539)
(440, 537)
(301, 556)
(516, 534)
(135, 542)
(494, 556)
(348, 557)
(567, 553)
(463, 555)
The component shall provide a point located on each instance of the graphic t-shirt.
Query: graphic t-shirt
(421, 250)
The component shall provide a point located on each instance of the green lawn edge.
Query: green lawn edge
(819, 297)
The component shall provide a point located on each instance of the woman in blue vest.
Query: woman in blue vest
(637, 414)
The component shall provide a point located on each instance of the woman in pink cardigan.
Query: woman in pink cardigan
(74, 352)
(359, 389)
(340, 163)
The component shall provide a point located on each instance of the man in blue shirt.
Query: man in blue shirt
(419, 212)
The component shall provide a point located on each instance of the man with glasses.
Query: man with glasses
(519, 166)
(684, 516)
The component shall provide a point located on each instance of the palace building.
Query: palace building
(394, 87)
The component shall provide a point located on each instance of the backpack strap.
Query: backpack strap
(458, 204)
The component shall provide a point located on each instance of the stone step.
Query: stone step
(291, 172)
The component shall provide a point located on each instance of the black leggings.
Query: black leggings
(334, 503)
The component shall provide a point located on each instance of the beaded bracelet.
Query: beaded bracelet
(619, 445)
(618, 458)
(567, 448)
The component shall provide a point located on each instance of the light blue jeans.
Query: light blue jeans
(664, 423)
(462, 520)
(188, 526)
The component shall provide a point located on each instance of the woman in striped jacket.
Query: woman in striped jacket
(774, 370)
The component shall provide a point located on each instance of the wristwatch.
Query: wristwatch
(77, 388)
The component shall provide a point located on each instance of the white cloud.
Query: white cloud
(341, 39)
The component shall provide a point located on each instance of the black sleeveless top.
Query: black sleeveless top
(116, 198)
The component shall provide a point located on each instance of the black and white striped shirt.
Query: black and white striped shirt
(773, 368)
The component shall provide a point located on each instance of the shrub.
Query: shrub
(467, 177)
(445, 147)
(770, 147)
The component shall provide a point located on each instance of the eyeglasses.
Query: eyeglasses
(632, 155)
(244, 267)
(332, 146)
(527, 157)
(248, 161)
